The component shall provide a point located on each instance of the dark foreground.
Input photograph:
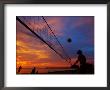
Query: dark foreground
(89, 69)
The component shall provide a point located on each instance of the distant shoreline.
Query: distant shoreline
(57, 70)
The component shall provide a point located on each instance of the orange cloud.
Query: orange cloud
(30, 51)
(22, 48)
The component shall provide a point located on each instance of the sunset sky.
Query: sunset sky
(31, 51)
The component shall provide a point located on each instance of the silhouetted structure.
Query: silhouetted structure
(33, 71)
(19, 69)
(37, 72)
(82, 60)
(89, 68)
(52, 42)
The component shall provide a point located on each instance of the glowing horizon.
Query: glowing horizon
(30, 51)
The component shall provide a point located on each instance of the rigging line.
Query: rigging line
(39, 37)
(56, 38)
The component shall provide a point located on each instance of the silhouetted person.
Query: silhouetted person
(33, 70)
(19, 69)
(82, 60)
(37, 72)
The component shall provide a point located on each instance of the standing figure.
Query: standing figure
(19, 69)
(82, 60)
(33, 70)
